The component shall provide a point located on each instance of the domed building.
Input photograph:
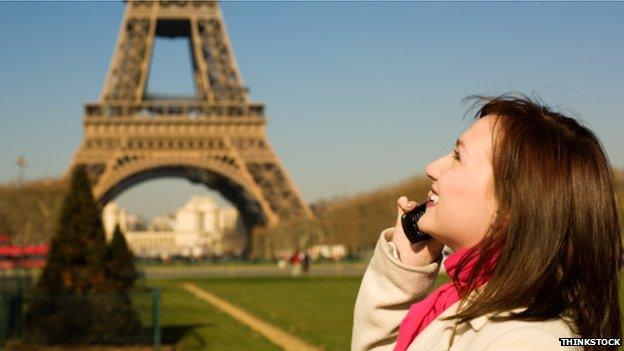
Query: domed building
(200, 228)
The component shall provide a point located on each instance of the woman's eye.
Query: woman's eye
(455, 155)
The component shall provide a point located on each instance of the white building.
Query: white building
(113, 214)
(164, 223)
(197, 229)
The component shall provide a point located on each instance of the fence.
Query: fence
(28, 318)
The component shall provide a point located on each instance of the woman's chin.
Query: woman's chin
(423, 224)
(426, 227)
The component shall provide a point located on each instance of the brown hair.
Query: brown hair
(558, 220)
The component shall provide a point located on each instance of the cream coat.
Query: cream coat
(389, 287)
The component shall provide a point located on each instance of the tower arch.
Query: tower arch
(249, 204)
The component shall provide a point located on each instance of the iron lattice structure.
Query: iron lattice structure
(217, 139)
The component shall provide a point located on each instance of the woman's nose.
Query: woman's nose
(435, 168)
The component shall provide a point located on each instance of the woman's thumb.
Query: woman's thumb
(404, 205)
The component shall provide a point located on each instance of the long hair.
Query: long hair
(558, 222)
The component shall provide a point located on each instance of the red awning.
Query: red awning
(31, 250)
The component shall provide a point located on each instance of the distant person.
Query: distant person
(526, 202)
(295, 261)
(305, 263)
(281, 263)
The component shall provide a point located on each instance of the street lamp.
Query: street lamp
(22, 164)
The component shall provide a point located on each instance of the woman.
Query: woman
(526, 203)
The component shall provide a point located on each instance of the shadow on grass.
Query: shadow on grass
(172, 334)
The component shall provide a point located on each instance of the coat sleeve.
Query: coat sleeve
(389, 287)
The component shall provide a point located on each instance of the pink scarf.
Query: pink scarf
(424, 312)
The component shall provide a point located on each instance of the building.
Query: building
(113, 214)
(200, 228)
(162, 223)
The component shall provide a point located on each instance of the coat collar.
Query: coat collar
(477, 323)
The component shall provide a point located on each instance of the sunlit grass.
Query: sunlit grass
(319, 310)
(191, 324)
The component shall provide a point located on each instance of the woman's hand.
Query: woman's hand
(419, 254)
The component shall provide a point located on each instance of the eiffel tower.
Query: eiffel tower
(217, 139)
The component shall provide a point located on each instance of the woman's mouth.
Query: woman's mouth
(433, 199)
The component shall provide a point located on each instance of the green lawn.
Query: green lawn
(317, 309)
(191, 324)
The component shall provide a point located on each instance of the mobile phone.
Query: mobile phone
(409, 221)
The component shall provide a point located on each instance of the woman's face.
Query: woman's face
(466, 206)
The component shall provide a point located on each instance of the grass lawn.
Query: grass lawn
(191, 324)
(317, 309)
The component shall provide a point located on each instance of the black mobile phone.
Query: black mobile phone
(409, 221)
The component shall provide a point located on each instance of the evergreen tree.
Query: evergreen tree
(120, 263)
(77, 251)
(75, 300)
(123, 322)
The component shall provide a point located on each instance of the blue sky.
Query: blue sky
(358, 94)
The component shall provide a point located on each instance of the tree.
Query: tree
(77, 251)
(122, 320)
(120, 263)
(75, 299)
